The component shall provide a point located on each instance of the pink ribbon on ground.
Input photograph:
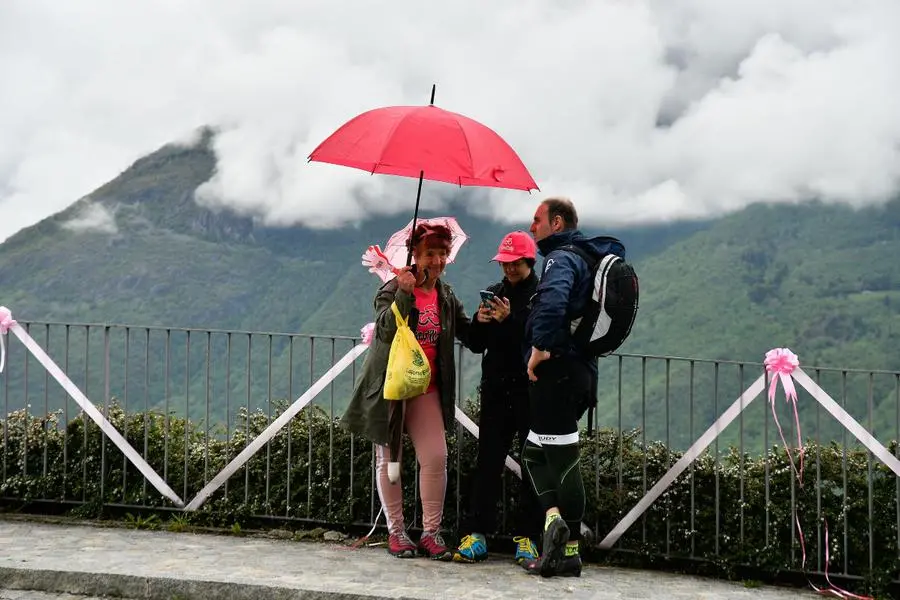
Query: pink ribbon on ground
(6, 321)
(835, 590)
(367, 332)
(780, 364)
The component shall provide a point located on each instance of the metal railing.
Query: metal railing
(189, 400)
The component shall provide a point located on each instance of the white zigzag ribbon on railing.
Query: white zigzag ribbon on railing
(781, 363)
(852, 425)
(686, 459)
(7, 323)
(297, 406)
(784, 367)
(867, 439)
(269, 432)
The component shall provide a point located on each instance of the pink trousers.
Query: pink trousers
(424, 423)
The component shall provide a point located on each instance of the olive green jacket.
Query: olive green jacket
(367, 414)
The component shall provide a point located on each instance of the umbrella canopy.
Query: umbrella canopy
(384, 263)
(426, 141)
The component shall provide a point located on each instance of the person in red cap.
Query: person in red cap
(498, 330)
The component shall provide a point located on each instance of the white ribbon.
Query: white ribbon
(276, 425)
(722, 422)
(7, 323)
(689, 456)
(88, 407)
(851, 424)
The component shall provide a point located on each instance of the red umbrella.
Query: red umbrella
(426, 142)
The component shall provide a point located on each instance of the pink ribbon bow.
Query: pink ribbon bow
(6, 321)
(780, 363)
(367, 332)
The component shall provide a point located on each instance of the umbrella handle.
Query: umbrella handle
(414, 269)
(393, 472)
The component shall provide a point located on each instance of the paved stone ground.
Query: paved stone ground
(154, 564)
(30, 595)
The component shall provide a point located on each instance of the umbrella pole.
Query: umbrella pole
(415, 218)
(418, 194)
(395, 421)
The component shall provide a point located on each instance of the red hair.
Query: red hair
(437, 236)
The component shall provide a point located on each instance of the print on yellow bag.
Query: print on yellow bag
(408, 373)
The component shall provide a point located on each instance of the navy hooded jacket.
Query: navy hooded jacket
(564, 290)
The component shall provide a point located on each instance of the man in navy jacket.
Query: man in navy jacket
(563, 381)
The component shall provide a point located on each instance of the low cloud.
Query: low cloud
(93, 217)
(640, 111)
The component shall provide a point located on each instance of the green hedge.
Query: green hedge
(613, 468)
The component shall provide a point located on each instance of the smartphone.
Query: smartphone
(486, 297)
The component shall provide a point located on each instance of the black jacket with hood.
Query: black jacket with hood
(502, 342)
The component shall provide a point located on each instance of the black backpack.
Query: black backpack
(610, 311)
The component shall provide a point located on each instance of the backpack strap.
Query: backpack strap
(589, 258)
(591, 261)
(601, 327)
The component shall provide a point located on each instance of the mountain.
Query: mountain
(820, 279)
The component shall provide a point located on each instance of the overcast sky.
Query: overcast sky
(639, 110)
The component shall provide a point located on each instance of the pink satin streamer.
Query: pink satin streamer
(780, 364)
(834, 590)
(6, 321)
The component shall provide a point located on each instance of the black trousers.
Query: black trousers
(559, 397)
(504, 416)
(565, 389)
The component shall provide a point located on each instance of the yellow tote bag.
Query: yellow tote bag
(408, 373)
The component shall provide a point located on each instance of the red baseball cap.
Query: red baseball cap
(514, 246)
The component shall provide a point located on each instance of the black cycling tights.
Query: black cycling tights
(552, 455)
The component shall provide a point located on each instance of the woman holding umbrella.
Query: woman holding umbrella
(438, 319)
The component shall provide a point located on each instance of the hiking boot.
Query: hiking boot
(526, 551)
(555, 538)
(401, 546)
(432, 545)
(472, 549)
(569, 566)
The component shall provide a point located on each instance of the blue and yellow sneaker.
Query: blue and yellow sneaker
(526, 550)
(472, 549)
